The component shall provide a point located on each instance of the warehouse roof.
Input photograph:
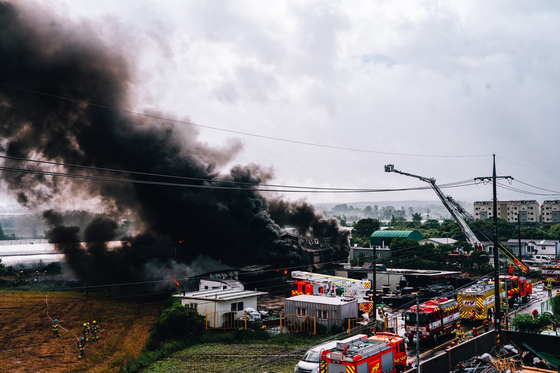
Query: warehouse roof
(385, 235)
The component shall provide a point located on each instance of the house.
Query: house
(438, 241)
(327, 310)
(216, 303)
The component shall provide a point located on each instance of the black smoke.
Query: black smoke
(44, 60)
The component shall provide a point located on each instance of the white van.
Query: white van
(541, 259)
(310, 362)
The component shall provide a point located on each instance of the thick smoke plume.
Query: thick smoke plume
(237, 225)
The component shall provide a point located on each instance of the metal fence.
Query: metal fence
(227, 320)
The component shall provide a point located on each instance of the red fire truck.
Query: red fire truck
(551, 273)
(384, 352)
(518, 288)
(436, 317)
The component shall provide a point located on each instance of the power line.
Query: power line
(202, 186)
(190, 123)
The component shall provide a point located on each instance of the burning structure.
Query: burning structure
(67, 133)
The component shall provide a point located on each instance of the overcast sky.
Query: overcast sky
(446, 83)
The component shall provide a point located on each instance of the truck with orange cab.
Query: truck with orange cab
(436, 317)
(383, 352)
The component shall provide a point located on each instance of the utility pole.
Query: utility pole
(373, 286)
(417, 332)
(519, 234)
(498, 314)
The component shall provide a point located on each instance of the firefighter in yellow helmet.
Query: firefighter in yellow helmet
(94, 331)
(85, 331)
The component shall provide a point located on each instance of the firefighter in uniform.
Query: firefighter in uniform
(55, 328)
(459, 335)
(81, 347)
(95, 330)
(472, 316)
(549, 288)
(85, 331)
(486, 325)
(474, 332)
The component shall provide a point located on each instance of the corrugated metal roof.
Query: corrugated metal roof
(219, 294)
(318, 299)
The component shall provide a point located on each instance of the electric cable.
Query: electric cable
(190, 123)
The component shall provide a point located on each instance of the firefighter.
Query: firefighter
(549, 288)
(535, 313)
(472, 316)
(381, 312)
(486, 325)
(95, 330)
(474, 332)
(490, 313)
(85, 331)
(55, 328)
(459, 335)
(81, 347)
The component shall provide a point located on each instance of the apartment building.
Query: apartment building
(550, 212)
(528, 211)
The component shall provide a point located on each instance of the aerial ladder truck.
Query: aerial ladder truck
(460, 215)
(518, 287)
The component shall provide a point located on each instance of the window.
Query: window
(237, 306)
(322, 314)
(302, 311)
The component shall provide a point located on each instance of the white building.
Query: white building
(216, 303)
(438, 241)
(327, 310)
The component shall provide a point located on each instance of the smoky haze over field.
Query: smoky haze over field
(232, 225)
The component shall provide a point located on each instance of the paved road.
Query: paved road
(428, 349)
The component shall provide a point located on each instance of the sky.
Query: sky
(325, 93)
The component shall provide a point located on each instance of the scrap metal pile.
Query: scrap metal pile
(504, 359)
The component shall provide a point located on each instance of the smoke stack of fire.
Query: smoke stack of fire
(236, 226)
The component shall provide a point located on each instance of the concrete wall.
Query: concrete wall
(446, 361)
(484, 343)
(538, 342)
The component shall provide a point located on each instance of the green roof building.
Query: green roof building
(383, 238)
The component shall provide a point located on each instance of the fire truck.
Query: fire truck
(384, 352)
(436, 317)
(518, 288)
(551, 273)
(319, 284)
(332, 286)
(479, 298)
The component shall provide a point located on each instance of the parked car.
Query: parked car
(252, 314)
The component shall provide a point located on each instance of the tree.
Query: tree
(341, 208)
(178, 323)
(368, 211)
(416, 219)
(554, 232)
(3, 269)
(431, 224)
(364, 228)
(476, 260)
(397, 221)
(527, 324)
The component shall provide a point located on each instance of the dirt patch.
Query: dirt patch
(26, 337)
